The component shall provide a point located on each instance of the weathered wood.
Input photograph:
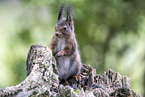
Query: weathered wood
(42, 80)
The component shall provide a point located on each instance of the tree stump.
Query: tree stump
(42, 80)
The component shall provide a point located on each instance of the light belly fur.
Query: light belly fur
(63, 62)
(60, 45)
(63, 66)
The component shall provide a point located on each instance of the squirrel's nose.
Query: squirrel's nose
(56, 34)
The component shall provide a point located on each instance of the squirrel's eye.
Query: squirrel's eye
(64, 28)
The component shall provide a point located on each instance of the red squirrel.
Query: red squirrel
(64, 46)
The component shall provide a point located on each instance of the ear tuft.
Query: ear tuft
(69, 10)
(61, 12)
(70, 15)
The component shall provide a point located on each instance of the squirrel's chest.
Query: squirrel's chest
(60, 45)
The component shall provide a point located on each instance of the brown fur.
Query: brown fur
(64, 46)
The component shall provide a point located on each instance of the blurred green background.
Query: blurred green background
(110, 34)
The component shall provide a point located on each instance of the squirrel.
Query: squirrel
(64, 46)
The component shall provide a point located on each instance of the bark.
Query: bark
(42, 80)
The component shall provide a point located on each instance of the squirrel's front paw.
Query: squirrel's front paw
(58, 55)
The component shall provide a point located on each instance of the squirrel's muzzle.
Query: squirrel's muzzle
(59, 35)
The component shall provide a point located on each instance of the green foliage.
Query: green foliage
(110, 34)
(77, 91)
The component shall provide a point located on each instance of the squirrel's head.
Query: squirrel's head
(64, 26)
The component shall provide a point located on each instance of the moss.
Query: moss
(77, 91)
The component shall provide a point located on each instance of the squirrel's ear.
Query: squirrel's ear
(70, 15)
(61, 12)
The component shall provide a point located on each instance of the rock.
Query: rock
(42, 80)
